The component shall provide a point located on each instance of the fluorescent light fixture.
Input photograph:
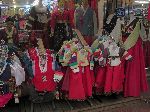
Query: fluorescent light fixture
(141, 2)
(27, 6)
(14, 1)
(45, 2)
(35, 3)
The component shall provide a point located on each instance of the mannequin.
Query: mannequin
(85, 22)
(40, 7)
(135, 71)
(79, 78)
(42, 59)
(43, 74)
(61, 25)
(38, 24)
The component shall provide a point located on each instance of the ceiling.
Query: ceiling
(18, 2)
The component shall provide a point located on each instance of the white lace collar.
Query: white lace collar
(42, 68)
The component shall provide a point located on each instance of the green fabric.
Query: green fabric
(73, 64)
(92, 62)
(133, 37)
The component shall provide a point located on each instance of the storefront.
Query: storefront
(73, 49)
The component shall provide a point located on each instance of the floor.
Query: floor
(96, 104)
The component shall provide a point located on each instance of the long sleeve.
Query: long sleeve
(75, 18)
(18, 72)
(148, 17)
(27, 64)
(95, 23)
(71, 18)
(53, 20)
(110, 26)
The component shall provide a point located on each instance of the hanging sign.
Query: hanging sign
(120, 12)
(138, 12)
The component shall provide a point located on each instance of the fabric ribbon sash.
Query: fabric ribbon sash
(80, 37)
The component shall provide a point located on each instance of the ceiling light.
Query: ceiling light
(27, 6)
(15, 6)
(141, 2)
(35, 3)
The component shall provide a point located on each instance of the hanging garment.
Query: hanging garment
(18, 72)
(114, 74)
(86, 23)
(79, 78)
(61, 24)
(146, 49)
(43, 76)
(135, 74)
(100, 79)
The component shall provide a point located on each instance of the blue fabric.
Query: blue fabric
(6, 75)
(27, 64)
(86, 25)
(57, 67)
(5, 88)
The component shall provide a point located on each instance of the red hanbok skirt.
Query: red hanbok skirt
(114, 79)
(4, 99)
(100, 79)
(135, 74)
(78, 85)
(146, 49)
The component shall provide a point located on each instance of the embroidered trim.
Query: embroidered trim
(43, 69)
(1, 71)
(4, 49)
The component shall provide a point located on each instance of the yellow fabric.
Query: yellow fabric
(82, 57)
(133, 37)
